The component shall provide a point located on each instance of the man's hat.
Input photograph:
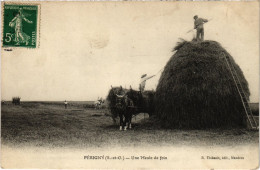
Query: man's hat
(143, 75)
(196, 16)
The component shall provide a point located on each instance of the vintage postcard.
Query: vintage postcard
(130, 85)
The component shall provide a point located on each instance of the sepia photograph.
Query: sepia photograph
(130, 85)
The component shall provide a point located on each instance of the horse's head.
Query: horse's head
(120, 97)
(120, 101)
(124, 101)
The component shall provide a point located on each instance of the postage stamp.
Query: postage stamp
(20, 25)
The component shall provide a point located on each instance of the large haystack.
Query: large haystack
(196, 89)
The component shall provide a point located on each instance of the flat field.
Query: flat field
(49, 124)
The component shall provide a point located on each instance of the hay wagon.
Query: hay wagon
(16, 100)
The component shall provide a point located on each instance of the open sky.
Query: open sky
(85, 47)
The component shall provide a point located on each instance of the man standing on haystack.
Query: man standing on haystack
(198, 25)
(144, 77)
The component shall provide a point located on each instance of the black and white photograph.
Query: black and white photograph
(130, 85)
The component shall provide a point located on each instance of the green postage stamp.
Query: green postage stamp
(20, 25)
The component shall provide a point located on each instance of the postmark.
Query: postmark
(20, 25)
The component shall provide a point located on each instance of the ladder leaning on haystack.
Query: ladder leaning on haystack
(252, 121)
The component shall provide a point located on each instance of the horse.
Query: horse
(125, 109)
(138, 102)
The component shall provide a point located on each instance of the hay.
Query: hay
(254, 108)
(148, 102)
(196, 89)
(16, 100)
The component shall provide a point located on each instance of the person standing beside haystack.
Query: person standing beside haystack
(144, 77)
(198, 25)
